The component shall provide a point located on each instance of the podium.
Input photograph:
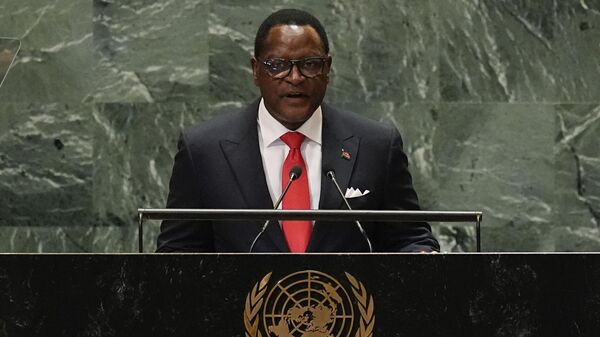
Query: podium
(299, 295)
(230, 294)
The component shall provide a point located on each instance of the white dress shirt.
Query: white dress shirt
(274, 151)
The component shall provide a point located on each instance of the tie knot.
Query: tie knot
(293, 139)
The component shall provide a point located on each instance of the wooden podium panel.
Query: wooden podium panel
(300, 295)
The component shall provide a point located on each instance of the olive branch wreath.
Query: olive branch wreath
(254, 302)
(366, 306)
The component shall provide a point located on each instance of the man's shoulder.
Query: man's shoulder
(226, 124)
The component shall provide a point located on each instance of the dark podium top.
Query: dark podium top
(302, 295)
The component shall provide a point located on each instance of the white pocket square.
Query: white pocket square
(355, 193)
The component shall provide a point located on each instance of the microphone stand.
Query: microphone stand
(331, 175)
(295, 173)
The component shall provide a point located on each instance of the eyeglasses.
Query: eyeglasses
(308, 67)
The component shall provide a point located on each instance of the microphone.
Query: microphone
(331, 175)
(294, 174)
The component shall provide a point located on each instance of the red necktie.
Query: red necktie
(297, 232)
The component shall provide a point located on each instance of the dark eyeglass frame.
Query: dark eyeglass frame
(292, 63)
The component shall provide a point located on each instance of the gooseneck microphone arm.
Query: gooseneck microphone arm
(294, 174)
(331, 175)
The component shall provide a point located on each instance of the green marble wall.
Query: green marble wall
(497, 101)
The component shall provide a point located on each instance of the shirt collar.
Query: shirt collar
(271, 129)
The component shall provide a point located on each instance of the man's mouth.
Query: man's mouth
(294, 94)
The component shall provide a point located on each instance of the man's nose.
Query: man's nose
(295, 76)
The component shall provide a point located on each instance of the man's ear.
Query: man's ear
(328, 66)
(255, 65)
(328, 62)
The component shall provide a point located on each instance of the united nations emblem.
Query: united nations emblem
(309, 303)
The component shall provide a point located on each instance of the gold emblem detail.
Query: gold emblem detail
(309, 304)
(254, 301)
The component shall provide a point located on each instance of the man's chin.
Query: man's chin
(297, 110)
(294, 119)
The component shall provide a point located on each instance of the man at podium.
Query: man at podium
(289, 145)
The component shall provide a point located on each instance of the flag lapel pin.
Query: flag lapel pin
(345, 154)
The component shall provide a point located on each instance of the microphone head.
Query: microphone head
(330, 173)
(295, 172)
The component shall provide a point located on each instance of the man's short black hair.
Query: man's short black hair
(289, 17)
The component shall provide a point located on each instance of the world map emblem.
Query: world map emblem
(309, 303)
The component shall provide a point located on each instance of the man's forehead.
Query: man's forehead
(295, 30)
(285, 35)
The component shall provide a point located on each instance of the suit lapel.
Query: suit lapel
(336, 138)
(242, 152)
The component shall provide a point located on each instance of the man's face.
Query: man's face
(293, 99)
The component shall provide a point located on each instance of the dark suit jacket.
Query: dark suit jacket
(218, 165)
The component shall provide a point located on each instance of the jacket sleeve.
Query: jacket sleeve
(184, 235)
(400, 195)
